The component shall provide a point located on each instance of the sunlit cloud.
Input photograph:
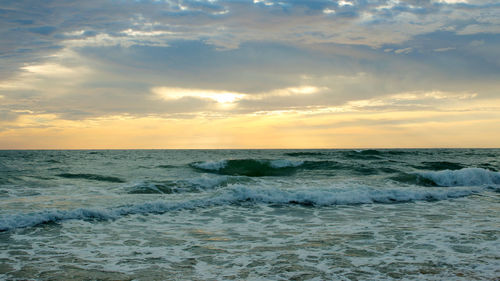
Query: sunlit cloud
(49, 69)
(329, 11)
(50, 78)
(228, 99)
(444, 49)
(412, 99)
(452, 1)
(345, 3)
(222, 97)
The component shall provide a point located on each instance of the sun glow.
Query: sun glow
(223, 97)
(228, 97)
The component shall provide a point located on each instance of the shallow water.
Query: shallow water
(250, 214)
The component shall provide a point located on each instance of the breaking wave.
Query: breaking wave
(238, 194)
(249, 167)
(260, 168)
(463, 177)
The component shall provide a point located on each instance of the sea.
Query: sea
(339, 214)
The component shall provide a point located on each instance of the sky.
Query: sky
(118, 74)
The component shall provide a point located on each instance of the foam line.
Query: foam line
(237, 194)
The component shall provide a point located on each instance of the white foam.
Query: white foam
(343, 196)
(211, 165)
(463, 177)
(237, 194)
(209, 182)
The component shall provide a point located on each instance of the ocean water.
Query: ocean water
(430, 214)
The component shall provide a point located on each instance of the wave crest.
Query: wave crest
(463, 177)
(249, 167)
(238, 194)
(190, 185)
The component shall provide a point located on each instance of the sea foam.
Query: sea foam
(238, 194)
(463, 177)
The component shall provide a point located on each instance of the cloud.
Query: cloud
(224, 99)
(444, 49)
(228, 24)
(194, 78)
(403, 51)
(75, 61)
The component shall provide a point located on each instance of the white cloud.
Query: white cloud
(452, 1)
(417, 98)
(223, 97)
(444, 49)
(303, 90)
(404, 51)
(345, 3)
(140, 33)
(480, 28)
(228, 97)
(51, 78)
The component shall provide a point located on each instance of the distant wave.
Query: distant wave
(249, 167)
(93, 177)
(369, 154)
(374, 154)
(440, 165)
(281, 167)
(238, 194)
(304, 153)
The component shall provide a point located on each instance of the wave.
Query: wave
(238, 194)
(322, 165)
(249, 167)
(304, 153)
(191, 185)
(166, 166)
(151, 188)
(414, 179)
(281, 167)
(374, 154)
(463, 177)
(369, 154)
(440, 165)
(93, 177)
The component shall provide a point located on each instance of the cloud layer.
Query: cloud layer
(78, 61)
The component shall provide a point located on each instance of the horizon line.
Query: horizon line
(345, 148)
